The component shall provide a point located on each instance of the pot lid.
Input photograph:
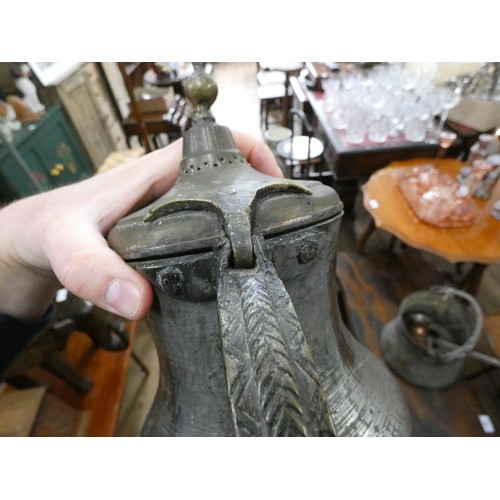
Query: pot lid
(218, 195)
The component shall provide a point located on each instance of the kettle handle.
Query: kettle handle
(273, 385)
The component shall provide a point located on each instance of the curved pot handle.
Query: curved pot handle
(273, 385)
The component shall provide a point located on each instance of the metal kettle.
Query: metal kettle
(245, 317)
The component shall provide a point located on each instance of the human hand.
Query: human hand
(58, 237)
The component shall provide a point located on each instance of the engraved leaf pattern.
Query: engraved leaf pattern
(273, 387)
(278, 392)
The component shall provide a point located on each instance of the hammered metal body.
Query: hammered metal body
(192, 400)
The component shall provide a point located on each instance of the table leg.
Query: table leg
(360, 244)
(286, 102)
(471, 281)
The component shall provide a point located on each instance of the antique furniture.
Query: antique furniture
(245, 316)
(157, 125)
(83, 92)
(106, 331)
(303, 151)
(50, 152)
(271, 103)
(477, 244)
(108, 371)
(88, 103)
(168, 75)
(290, 69)
(156, 129)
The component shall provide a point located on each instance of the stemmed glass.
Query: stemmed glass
(449, 99)
(433, 103)
(446, 139)
(479, 171)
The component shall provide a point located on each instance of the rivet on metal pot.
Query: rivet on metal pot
(307, 251)
(171, 280)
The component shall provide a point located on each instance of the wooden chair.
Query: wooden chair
(158, 128)
(106, 331)
(269, 77)
(271, 91)
(271, 104)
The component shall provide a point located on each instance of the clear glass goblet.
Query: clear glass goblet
(446, 139)
(449, 99)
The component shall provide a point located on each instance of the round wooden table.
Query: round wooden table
(478, 243)
(174, 79)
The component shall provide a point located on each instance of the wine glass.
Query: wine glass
(480, 169)
(434, 105)
(446, 139)
(449, 99)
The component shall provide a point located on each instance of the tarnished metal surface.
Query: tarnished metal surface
(245, 318)
(410, 342)
(273, 386)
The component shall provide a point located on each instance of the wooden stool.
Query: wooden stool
(303, 153)
(271, 100)
(271, 77)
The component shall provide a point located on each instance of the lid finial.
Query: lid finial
(200, 88)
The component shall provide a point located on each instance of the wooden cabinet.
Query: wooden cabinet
(86, 100)
(51, 153)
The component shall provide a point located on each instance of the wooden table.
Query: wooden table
(174, 80)
(352, 163)
(478, 243)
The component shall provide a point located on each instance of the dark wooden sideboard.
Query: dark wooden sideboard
(351, 164)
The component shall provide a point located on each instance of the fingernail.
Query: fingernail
(124, 297)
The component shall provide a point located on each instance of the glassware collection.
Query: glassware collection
(386, 102)
(437, 199)
(486, 154)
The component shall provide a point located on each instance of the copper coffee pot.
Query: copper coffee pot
(245, 317)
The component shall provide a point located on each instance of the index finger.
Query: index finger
(257, 154)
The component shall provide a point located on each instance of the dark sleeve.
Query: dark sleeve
(16, 334)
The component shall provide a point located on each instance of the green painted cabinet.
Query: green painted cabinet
(51, 151)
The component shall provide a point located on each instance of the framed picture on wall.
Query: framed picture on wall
(53, 73)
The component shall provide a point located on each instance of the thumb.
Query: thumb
(88, 268)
